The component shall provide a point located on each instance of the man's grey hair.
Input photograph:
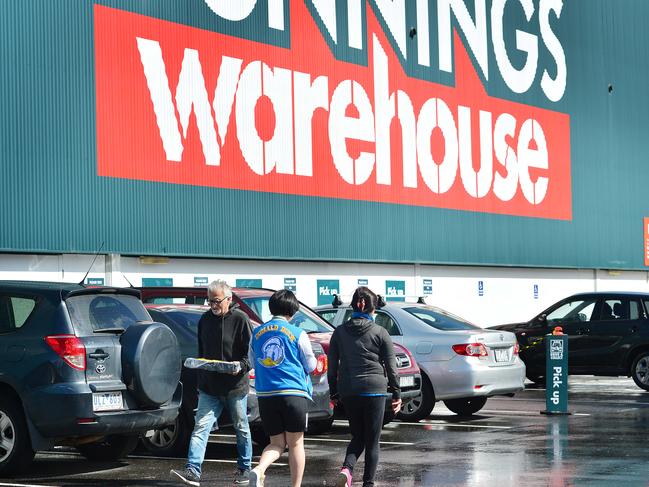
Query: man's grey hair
(214, 286)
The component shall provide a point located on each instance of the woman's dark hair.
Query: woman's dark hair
(364, 300)
(283, 303)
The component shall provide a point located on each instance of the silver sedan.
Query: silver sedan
(461, 363)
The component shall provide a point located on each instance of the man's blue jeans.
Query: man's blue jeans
(209, 409)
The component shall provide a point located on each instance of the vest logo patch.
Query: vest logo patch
(272, 353)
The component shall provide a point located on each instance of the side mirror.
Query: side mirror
(540, 320)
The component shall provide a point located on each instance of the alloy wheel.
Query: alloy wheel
(642, 370)
(7, 436)
(163, 437)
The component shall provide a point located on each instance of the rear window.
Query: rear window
(440, 319)
(94, 312)
(304, 318)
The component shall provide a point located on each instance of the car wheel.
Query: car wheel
(319, 427)
(109, 449)
(259, 437)
(419, 407)
(640, 370)
(466, 406)
(169, 441)
(15, 444)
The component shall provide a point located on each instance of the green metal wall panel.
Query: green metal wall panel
(54, 199)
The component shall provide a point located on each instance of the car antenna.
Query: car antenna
(93, 263)
(126, 279)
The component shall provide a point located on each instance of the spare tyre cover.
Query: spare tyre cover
(151, 362)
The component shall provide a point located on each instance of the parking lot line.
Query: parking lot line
(25, 485)
(333, 440)
(522, 413)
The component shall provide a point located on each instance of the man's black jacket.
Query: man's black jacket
(224, 337)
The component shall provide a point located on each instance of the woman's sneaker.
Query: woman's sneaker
(256, 479)
(344, 478)
(187, 476)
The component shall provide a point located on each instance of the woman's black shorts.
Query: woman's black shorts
(283, 413)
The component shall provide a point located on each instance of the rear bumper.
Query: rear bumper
(64, 412)
(469, 377)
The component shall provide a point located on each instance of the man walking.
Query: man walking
(223, 334)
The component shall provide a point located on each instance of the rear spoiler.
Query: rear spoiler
(103, 290)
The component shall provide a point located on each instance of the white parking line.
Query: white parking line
(522, 413)
(455, 425)
(26, 485)
(444, 424)
(333, 440)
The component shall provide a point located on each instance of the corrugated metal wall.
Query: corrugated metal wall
(54, 200)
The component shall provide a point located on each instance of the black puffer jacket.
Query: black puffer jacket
(361, 360)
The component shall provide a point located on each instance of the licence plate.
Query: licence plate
(107, 401)
(501, 354)
(408, 381)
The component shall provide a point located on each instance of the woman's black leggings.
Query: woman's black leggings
(365, 414)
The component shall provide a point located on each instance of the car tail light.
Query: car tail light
(321, 365)
(251, 374)
(70, 349)
(516, 349)
(470, 349)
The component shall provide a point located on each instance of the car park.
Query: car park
(254, 302)
(173, 439)
(461, 363)
(608, 335)
(83, 367)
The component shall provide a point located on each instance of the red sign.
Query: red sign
(181, 105)
(646, 241)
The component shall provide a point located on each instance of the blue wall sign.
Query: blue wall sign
(428, 286)
(290, 283)
(326, 290)
(395, 290)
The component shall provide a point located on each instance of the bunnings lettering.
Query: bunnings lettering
(183, 105)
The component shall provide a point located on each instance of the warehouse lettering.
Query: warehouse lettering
(294, 108)
(181, 105)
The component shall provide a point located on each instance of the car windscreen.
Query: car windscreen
(304, 318)
(91, 313)
(440, 319)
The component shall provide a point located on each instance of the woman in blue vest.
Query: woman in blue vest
(362, 369)
(283, 358)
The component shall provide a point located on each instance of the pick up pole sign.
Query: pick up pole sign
(556, 375)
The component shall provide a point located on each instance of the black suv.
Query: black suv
(608, 334)
(81, 366)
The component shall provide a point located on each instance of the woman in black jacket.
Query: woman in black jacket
(362, 369)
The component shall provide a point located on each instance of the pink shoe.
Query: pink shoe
(344, 478)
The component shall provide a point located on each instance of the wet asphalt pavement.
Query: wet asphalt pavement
(603, 443)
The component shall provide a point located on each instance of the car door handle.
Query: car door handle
(99, 355)
(634, 329)
(583, 331)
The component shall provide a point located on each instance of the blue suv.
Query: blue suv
(81, 366)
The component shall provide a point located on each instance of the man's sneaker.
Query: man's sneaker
(256, 479)
(242, 477)
(187, 476)
(344, 478)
